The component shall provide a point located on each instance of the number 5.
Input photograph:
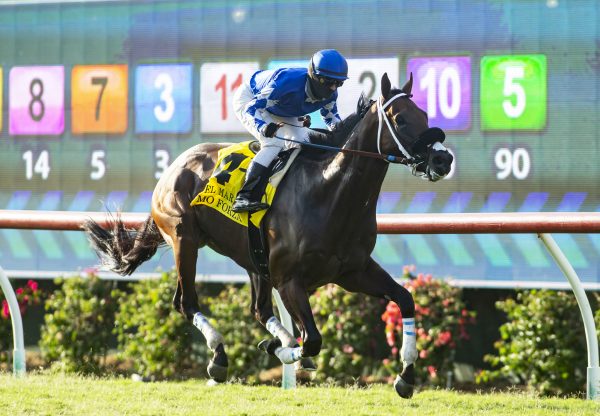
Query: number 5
(98, 165)
(514, 73)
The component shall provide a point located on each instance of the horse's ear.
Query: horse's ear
(408, 86)
(386, 85)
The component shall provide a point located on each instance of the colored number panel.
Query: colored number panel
(442, 88)
(364, 76)
(1, 95)
(513, 92)
(218, 83)
(315, 117)
(163, 98)
(99, 99)
(36, 100)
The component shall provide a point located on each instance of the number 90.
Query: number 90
(517, 163)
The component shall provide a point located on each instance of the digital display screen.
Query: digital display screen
(97, 98)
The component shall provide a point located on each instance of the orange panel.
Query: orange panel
(99, 99)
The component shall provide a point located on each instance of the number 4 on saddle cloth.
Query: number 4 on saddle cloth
(227, 179)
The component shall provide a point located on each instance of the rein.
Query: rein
(387, 158)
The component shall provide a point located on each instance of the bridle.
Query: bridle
(414, 162)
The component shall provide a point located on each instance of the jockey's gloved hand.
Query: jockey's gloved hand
(305, 121)
(271, 129)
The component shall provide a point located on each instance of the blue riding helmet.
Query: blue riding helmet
(329, 63)
(327, 71)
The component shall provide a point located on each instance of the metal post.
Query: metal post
(288, 376)
(19, 366)
(593, 370)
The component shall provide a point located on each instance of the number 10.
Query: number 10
(448, 83)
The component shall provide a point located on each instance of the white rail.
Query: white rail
(17, 325)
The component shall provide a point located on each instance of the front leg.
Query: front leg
(262, 308)
(295, 298)
(375, 281)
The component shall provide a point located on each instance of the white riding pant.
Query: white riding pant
(270, 146)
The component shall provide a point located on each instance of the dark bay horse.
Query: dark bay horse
(320, 229)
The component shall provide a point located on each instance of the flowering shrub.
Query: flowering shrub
(78, 326)
(27, 295)
(352, 334)
(543, 343)
(441, 320)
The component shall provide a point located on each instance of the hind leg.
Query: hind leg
(375, 281)
(186, 254)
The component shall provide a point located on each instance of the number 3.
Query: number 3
(165, 82)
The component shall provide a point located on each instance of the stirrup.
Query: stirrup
(246, 205)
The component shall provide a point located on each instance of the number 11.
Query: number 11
(222, 84)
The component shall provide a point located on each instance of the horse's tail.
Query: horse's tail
(120, 249)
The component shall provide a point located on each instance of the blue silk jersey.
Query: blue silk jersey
(282, 92)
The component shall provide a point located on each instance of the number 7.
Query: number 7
(99, 81)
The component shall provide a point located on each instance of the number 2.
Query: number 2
(368, 75)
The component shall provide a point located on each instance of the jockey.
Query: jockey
(278, 102)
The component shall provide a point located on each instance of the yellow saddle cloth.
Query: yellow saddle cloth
(228, 177)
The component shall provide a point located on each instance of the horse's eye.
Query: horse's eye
(400, 122)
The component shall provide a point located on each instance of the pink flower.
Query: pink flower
(443, 338)
(391, 340)
(348, 349)
(5, 309)
(432, 371)
(423, 354)
(32, 285)
(394, 351)
(386, 361)
(19, 291)
(406, 270)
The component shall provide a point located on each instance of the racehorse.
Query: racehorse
(321, 227)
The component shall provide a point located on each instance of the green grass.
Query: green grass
(42, 394)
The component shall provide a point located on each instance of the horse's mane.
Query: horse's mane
(342, 130)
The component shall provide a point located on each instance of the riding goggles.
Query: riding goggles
(330, 81)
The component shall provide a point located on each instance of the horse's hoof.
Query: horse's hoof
(212, 383)
(306, 364)
(403, 389)
(217, 372)
(269, 346)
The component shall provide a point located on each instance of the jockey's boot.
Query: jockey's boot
(249, 197)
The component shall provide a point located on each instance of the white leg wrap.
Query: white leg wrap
(408, 353)
(213, 337)
(277, 330)
(288, 355)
